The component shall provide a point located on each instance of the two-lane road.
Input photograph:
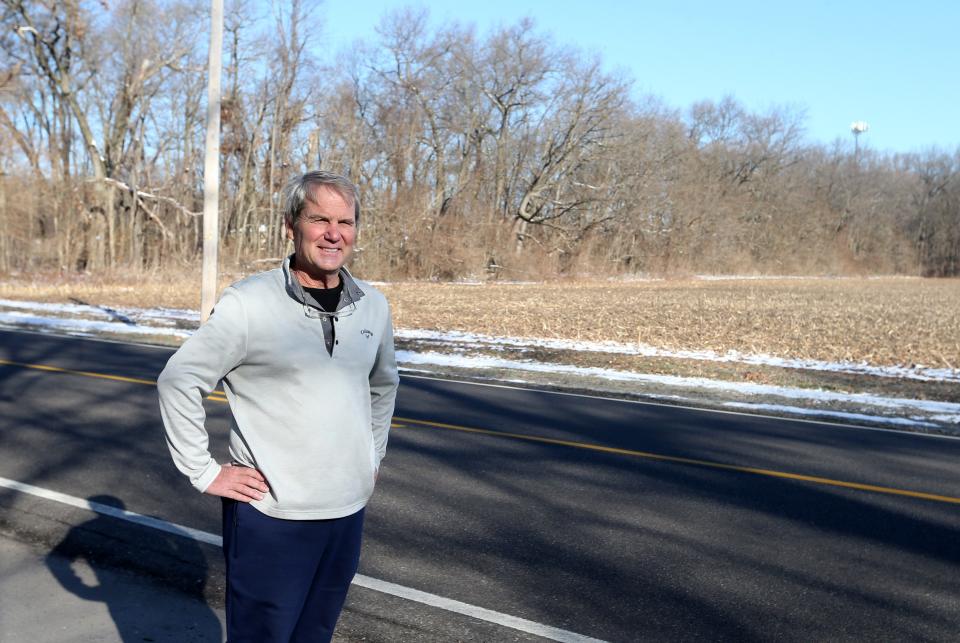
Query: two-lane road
(617, 520)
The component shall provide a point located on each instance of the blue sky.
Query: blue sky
(894, 64)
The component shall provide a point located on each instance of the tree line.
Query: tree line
(501, 154)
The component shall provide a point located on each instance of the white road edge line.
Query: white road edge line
(448, 604)
(107, 510)
(686, 407)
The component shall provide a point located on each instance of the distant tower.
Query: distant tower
(858, 128)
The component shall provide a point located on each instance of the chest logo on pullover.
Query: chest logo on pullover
(366, 333)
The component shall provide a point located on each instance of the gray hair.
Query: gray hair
(299, 189)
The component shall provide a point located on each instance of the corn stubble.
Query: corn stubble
(881, 321)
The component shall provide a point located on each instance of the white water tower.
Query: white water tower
(858, 128)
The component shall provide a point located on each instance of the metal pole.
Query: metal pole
(211, 166)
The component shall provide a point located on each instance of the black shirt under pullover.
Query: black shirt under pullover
(329, 300)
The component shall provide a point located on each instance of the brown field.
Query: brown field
(880, 321)
(889, 320)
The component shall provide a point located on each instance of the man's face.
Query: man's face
(323, 236)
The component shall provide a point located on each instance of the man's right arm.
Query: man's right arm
(190, 375)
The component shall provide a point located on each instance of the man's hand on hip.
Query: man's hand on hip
(238, 483)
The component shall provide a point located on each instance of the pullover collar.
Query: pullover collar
(351, 291)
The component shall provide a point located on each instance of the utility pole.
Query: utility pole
(211, 166)
(313, 153)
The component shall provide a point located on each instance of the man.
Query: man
(305, 353)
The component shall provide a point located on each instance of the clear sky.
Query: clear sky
(892, 63)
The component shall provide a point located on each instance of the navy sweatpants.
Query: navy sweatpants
(286, 579)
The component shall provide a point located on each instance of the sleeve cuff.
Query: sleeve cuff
(202, 482)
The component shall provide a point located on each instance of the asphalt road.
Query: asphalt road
(617, 520)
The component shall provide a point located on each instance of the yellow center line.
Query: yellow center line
(57, 369)
(692, 461)
(399, 422)
(216, 396)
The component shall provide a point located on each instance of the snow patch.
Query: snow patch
(165, 316)
(921, 373)
(89, 320)
(744, 388)
(840, 415)
(87, 326)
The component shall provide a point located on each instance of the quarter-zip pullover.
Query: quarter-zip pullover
(314, 423)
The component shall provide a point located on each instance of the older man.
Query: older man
(305, 353)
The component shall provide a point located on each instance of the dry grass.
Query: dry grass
(880, 321)
(168, 289)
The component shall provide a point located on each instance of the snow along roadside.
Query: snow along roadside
(180, 323)
(81, 319)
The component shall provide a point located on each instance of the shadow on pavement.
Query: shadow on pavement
(76, 565)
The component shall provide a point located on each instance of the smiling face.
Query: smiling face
(323, 237)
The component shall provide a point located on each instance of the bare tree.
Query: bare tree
(501, 153)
